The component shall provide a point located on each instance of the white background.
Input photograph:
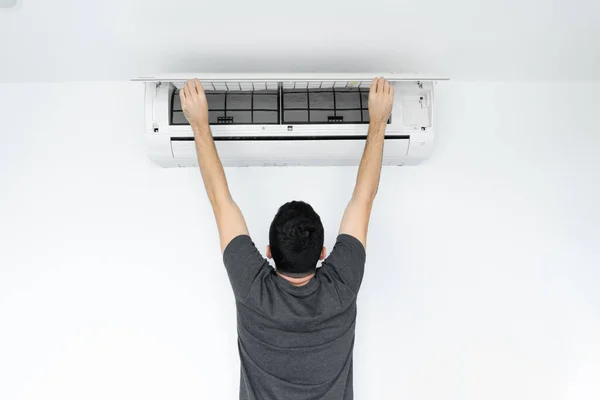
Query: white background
(483, 263)
(49, 40)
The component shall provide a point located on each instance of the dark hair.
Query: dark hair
(296, 239)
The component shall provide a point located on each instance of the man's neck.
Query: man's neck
(297, 281)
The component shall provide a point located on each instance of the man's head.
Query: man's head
(296, 239)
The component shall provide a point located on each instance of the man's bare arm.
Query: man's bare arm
(355, 221)
(230, 220)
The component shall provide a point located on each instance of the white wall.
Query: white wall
(462, 39)
(483, 267)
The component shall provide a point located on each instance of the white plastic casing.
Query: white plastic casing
(409, 136)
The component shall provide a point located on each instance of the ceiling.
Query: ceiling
(463, 39)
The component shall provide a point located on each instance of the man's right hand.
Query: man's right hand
(381, 99)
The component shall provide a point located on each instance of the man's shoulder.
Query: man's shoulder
(345, 265)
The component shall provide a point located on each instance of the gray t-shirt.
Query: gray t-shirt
(295, 342)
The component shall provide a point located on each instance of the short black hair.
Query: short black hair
(296, 239)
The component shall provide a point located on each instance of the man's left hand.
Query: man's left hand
(194, 104)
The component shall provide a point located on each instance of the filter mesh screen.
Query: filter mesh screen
(234, 107)
(330, 105)
(322, 106)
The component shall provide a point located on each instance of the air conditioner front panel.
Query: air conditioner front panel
(288, 79)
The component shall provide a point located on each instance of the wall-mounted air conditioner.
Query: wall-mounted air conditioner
(289, 119)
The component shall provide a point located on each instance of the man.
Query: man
(295, 323)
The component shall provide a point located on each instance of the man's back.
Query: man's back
(295, 342)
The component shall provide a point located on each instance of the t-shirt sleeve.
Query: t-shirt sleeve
(244, 265)
(346, 263)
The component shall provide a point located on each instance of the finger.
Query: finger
(391, 91)
(190, 88)
(186, 91)
(199, 87)
(380, 84)
(386, 87)
(182, 94)
(373, 87)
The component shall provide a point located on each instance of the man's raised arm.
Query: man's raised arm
(356, 217)
(230, 220)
